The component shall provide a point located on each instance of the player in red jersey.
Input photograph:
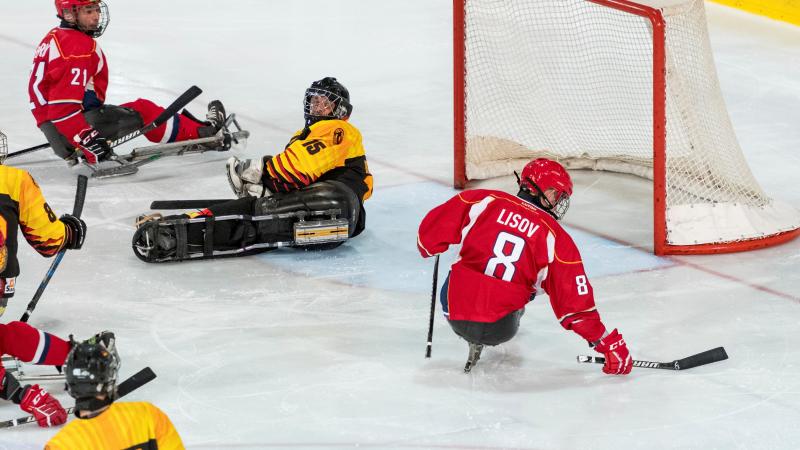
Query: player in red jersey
(67, 90)
(512, 248)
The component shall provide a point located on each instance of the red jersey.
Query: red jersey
(510, 249)
(67, 63)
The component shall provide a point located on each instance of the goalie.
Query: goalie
(67, 90)
(310, 195)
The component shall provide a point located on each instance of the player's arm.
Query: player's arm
(572, 298)
(571, 294)
(40, 226)
(309, 155)
(442, 226)
(66, 80)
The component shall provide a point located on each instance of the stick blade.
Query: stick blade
(703, 358)
(135, 381)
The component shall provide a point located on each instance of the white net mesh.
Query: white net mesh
(572, 80)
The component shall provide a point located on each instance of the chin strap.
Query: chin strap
(535, 199)
(92, 404)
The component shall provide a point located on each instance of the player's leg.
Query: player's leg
(114, 121)
(61, 146)
(321, 196)
(32, 345)
(181, 127)
(156, 239)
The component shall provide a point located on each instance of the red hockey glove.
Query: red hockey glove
(618, 359)
(76, 232)
(44, 407)
(95, 148)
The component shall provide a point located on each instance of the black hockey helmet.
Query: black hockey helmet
(334, 97)
(92, 366)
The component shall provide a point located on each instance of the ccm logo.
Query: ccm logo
(616, 345)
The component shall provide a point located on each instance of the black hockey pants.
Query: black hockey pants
(111, 121)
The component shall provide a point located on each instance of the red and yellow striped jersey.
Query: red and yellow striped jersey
(22, 205)
(123, 426)
(327, 150)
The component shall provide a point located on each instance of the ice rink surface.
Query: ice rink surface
(294, 350)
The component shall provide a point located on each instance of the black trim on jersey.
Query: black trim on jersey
(9, 209)
(302, 135)
(152, 444)
(352, 174)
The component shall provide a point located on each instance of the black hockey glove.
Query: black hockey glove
(76, 231)
(95, 148)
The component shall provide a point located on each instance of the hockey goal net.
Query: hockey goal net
(611, 85)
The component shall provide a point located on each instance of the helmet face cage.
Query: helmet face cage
(561, 205)
(92, 367)
(3, 147)
(318, 100)
(102, 24)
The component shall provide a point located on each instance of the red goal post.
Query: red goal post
(611, 85)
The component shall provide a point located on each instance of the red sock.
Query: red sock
(178, 128)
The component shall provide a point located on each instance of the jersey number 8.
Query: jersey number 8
(507, 260)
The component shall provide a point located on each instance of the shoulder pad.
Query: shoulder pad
(335, 126)
(73, 43)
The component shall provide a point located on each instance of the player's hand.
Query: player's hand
(76, 231)
(95, 148)
(618, 358)
(44, 407)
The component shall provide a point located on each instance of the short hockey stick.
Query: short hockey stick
(136, 381)
(433, 306)
(700, 359)
(28, 150)
(77, 209)
(188, 204)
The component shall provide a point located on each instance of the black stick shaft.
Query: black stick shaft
(77, 209)
(433, 306)
(184, 99)
(134, 382)
(28, 150)
(187, 204)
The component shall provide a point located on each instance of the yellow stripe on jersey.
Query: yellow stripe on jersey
(126, 425)
(20, 194)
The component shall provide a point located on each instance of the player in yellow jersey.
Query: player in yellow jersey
(323, 168)
(104, 424)
(23, 207)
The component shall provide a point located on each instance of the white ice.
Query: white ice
(307, 351)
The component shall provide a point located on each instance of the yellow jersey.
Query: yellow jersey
(123, 426)
(326, 150)
(23, 207)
